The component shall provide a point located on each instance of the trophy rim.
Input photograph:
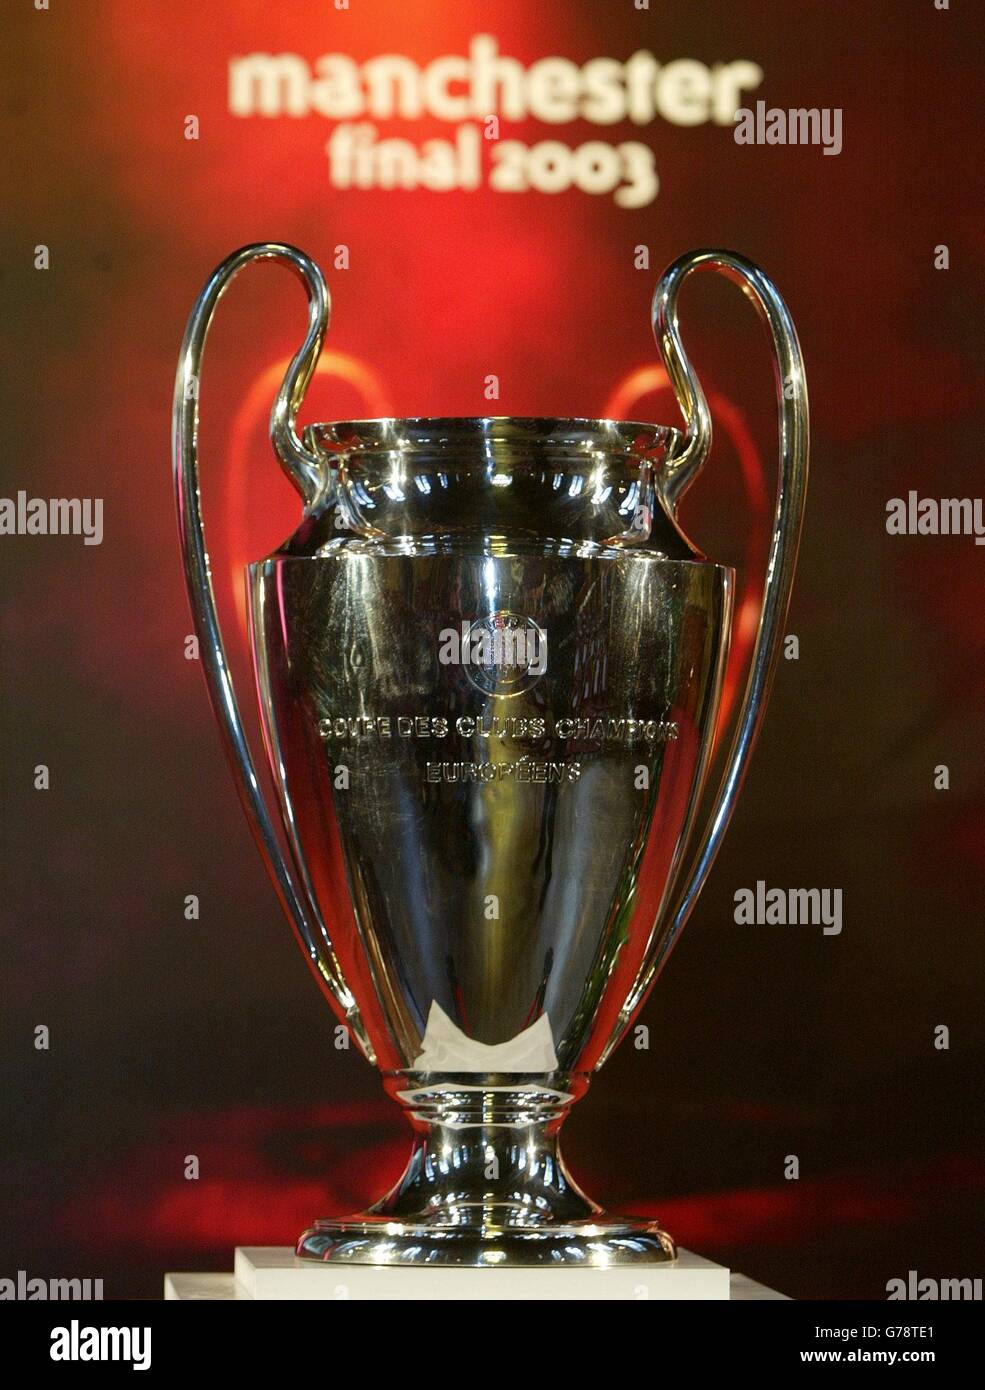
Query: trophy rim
(634, 439)
(396, 548)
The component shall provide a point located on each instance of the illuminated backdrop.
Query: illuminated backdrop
(492, 190)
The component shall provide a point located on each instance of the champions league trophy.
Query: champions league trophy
(489, 666)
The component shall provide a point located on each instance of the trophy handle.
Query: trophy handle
(313, 478)
(791, 392)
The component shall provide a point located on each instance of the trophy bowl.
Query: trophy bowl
(488, 666)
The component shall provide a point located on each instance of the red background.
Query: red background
(171, 1037)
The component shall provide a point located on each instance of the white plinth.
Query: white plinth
(273, 1273)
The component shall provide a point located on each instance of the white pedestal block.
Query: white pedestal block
(273, 1273)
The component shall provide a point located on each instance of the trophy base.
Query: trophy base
(591, 1244)
(263, 1273)
(486, 1186)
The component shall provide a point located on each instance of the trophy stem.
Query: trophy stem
(486, 1185)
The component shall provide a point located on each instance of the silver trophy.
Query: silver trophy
(489, 666)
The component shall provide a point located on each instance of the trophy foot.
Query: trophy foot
(600, 1243)
(486, 1185)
